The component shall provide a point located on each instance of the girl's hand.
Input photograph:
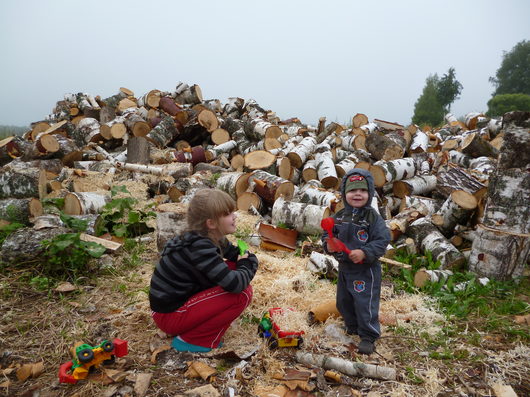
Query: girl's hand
(357, 256)
(243, 256)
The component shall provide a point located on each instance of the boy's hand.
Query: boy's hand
(357, 256)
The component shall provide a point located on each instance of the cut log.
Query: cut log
(310, 195)
(423, 276)
(390, 171)
(323, 265)
(419, 202)
(168, 105)
(456, 209)
(303, 217)
(13, 147)
(259, 159)
(430, 239)
(138, 150)
(87, 130)
(323, 311)
(194, 155)
(420, 142)
(359, 120)
(417, 185)
(213, 152)
(247, 201)
(310, 170)
(84, 203)
(383, 148)
(22, 182)
(168, 225)
(346, 367)
(233, 183)
(68, 151)
(326, 169)
(270, 187)
(357, 159)
(474, 146)
(20, 210)
(163, 133)
(219, 136)
(184, 94)
(453, 178)
(398, 224)
(300, 153)
(24, 245)
(499, 254)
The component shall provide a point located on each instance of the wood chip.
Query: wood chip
(65, 287)
(24, 372)
(157, 351)
(142, 384)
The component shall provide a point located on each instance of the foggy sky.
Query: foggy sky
(303, 59)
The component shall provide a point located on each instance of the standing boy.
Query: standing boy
(364, 232)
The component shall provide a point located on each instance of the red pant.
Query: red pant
(205, 317)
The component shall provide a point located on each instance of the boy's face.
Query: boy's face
(357, 198)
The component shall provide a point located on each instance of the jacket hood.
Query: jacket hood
(369, 179)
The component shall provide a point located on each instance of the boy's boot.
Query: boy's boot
(366, 346)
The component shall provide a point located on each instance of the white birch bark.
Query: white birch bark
(303, 217)
(417, 185)
(394, 170)
(300, 153)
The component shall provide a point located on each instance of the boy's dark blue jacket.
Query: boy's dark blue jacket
(361, 228)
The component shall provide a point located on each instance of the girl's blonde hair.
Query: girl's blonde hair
(208, 204)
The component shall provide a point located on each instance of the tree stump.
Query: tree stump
(138, 150)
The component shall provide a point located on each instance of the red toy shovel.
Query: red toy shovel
(334, 243)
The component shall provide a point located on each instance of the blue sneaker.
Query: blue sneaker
(181, 346)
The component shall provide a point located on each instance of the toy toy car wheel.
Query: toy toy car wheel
(85, 356)
(108, 346)
(273, 343)
(300, 342)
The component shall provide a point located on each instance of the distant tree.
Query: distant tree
(500, 104)
(428, 109)
(448, 90)
(9, 130)
(513, 76)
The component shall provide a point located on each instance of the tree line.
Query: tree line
(511, 82)
(9, 130)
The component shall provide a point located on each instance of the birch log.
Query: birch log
(326, 169)
(357, 159)
(352, 368)
(430, 239)
(300, 153)
(453, 178)
(456, 209)
(390, 171)
(310, 195)
(323, 265)
(420, 142)
(383, 148)
(22, 182)
(20, 210)
(163, 133)
(474, 146)
(270, 187)
(422, 276)
(417, 185)
(303, 217)
(84, 203)
(310, 170)
(498, 254)
(233, 183)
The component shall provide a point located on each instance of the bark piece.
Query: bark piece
(324, 311)
(278, 235)
(323, 265)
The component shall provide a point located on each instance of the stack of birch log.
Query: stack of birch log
(438, 189)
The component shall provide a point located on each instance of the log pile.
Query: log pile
(441, 187)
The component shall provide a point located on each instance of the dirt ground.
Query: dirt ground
(41, 327)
